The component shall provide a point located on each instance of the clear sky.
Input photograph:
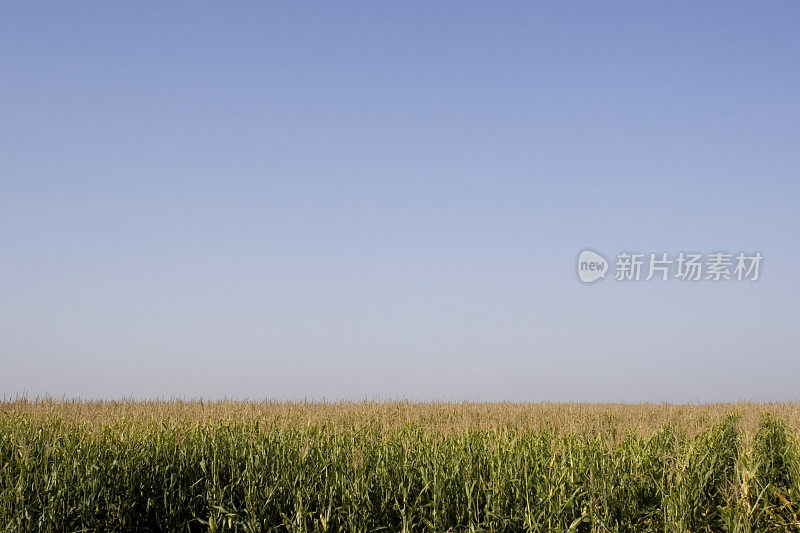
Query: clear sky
(386, 200)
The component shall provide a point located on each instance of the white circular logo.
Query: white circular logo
(591, 266)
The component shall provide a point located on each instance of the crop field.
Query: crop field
(398, 466)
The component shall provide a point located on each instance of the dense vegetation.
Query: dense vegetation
(178, 466)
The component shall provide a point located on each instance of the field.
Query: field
(177, 466)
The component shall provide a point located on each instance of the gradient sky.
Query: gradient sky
(386, 200)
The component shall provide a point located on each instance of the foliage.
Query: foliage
(178, 466)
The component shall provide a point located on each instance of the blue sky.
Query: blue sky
(375, 200)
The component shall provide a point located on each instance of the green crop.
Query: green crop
(194, 466)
